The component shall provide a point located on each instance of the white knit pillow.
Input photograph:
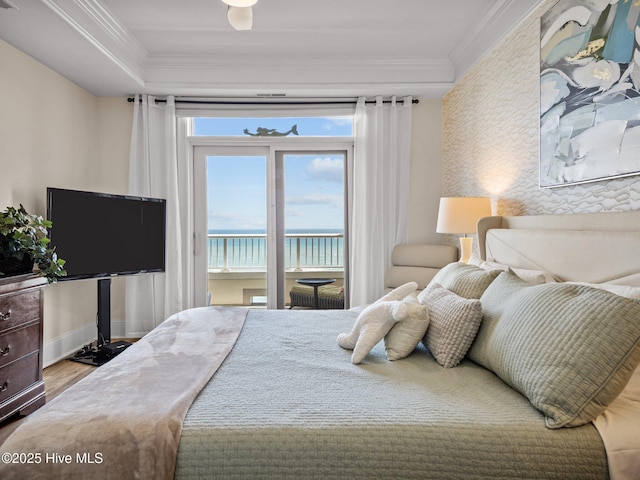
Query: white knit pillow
(453, 324)
(405, 335)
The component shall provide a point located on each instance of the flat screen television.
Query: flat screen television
(102, 235)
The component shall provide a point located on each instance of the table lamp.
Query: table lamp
(461, 215)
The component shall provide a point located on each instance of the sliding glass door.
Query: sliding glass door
(267, 216)
(311, 205)
(231, 224)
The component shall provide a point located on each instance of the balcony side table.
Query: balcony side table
(315, 283)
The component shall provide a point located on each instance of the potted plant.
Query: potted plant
(24, 242)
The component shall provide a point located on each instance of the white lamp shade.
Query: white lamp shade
(461, 214)
(240, 18)
(240, 3)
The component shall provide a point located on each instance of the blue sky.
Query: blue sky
(306, 126)
(313, 192)
(236, 189)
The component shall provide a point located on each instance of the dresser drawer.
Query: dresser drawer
(19, 308)
(19, 343)
(18, 375)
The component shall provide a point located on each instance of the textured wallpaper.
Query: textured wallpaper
(491, 137)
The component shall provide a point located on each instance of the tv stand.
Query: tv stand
(97, 356)
(105, 349)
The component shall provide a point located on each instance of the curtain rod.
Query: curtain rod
(251, 103)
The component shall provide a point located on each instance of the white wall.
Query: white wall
(426, 171)
(53, 133)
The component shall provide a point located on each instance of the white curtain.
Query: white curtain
(380, 202)
(154, 171)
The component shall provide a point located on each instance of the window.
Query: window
(338, 126)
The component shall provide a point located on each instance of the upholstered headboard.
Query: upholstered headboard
(592, 247)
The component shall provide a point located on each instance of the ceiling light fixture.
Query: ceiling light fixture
(240, 18)
(240, 13)
(240, 3)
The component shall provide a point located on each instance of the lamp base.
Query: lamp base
(466, 246)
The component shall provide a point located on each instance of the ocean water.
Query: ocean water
(246, 249)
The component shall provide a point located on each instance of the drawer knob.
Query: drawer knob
(5, 316)
(4, 386)
(4, 352)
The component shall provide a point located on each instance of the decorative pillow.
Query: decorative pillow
(570, 349)
(528, 275)
(533, 276)
(493, 300)
(453, 324)
(465, 280)
(404, 336)
(487, 265)
(375, 321)
(622, 290)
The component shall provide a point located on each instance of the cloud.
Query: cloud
(228, 220)
(294, 212)
(330, 200)
(327, 169)
(332, 122)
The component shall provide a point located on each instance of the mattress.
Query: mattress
(288, 404)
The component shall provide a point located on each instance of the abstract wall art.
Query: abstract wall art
(589, 91)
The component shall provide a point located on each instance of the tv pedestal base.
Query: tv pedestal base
(105, 349)
(100, 355)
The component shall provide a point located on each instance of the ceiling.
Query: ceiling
(296, 47)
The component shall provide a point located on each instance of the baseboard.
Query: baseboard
(66, 345)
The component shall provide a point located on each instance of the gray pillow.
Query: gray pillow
(453, 324)
(468, 281)
(494, 300)
(570, 349)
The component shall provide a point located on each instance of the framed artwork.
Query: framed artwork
(589, 91)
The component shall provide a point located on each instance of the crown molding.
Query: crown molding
(440, 68)
(503, 18)
(298, 89)
(104, 32)
(231, 75)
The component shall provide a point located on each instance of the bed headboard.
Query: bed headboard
(590, 247)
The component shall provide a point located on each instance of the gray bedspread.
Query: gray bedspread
(288, 404)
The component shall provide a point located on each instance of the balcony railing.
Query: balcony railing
(242, 252)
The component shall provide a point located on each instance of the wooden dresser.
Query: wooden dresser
(21, 385)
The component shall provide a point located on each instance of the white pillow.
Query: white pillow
(405, 335)
(533, 276)
(486, 265)
(528, 275)
(622, 290)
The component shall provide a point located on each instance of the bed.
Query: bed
(235, 394)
